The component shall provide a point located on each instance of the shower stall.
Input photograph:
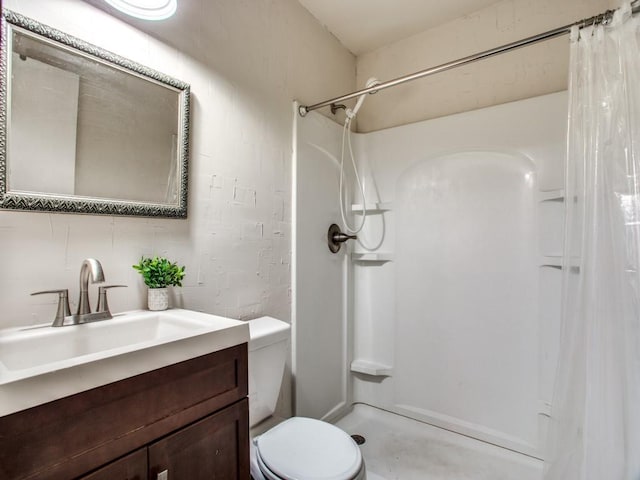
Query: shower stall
(465, 294)
(446, 309)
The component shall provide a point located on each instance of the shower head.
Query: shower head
(370, 83)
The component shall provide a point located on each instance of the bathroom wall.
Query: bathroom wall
(246, 62)
(531, 71)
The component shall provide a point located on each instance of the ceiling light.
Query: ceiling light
(146, 9)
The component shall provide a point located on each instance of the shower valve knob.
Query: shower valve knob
(343, 237)
(335, 238)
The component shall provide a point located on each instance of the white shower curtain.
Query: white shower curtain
(595, 422)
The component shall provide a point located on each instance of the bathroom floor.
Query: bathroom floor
(398, 448)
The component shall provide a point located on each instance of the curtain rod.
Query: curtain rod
(557, 32)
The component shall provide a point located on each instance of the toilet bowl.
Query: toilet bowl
(304, 448)
(298, 448)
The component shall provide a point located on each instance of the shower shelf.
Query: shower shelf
(373, 369)
(378, 207)
(372, 257)
(556, 261)
(551, 195)
(551, 261)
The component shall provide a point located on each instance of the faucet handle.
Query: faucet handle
(63, 305)
(103, 305)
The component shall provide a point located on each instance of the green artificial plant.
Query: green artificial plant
(158, 272)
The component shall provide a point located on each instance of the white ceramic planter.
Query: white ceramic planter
(158, 299)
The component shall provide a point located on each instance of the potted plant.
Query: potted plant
(158, 274)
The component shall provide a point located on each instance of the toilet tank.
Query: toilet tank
(268, 341)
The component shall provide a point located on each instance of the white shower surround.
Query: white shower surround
(483, 368)
(320, 333)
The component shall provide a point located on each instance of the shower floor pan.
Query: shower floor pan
(398, 448)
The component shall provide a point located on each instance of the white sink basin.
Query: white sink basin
(52, 348)
(43, 363)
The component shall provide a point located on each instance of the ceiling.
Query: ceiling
(365, 25)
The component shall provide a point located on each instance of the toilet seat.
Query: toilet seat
(266, 474)
(304, 448)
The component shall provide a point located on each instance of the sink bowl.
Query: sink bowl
(42, 363)
(50, 347)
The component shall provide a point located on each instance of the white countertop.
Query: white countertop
(29, 378)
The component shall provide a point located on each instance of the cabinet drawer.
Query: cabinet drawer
(67, 437)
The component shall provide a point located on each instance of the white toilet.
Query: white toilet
(298, 448)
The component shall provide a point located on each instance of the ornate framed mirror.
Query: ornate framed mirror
(84, 130)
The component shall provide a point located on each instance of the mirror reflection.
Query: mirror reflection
(79, 126)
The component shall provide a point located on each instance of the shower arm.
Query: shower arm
(603, 18)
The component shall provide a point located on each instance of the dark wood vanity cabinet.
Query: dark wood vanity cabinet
(212, 448)
(189, 420)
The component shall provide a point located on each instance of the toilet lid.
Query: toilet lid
(304, 448)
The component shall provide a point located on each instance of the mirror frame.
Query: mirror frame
(81, 204)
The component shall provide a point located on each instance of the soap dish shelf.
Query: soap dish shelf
(372, 257)
(551, 195)
(373, 369)
(377, 207)
(553, 261)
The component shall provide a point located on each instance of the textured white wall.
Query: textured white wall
(246, 61)
(525, 73)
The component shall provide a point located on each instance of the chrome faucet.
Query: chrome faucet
(90, 268)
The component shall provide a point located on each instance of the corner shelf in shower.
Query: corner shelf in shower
(377, 207)
(374, 369)
(551, 195)
(372, 257)
(554, 261)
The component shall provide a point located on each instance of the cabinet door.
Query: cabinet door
(131, 467)
(216, 447)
